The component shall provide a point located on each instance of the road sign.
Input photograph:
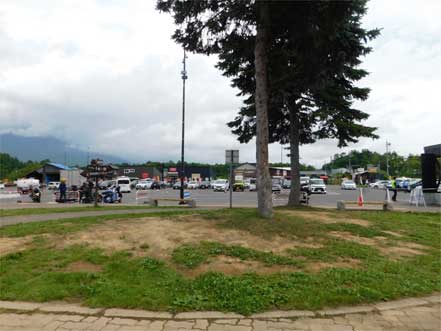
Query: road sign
(231, 156)
(187, 194)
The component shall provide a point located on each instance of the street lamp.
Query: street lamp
(387, 158)
(184, 78)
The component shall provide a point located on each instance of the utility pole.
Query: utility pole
(387, 158)
(184, 78)
(281, 154)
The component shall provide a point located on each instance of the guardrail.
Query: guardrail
(9, 195)
(142, 195)
(71, 196)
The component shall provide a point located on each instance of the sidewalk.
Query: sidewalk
(401, 315)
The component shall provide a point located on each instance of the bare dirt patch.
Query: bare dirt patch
(392, 233)
(235, 266)
(164, 235)
(340, 263)
(399, 249)
(324, 217)
(10, 245)
(83, 266)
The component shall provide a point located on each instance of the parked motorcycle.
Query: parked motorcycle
(112, 195)
(35, 194)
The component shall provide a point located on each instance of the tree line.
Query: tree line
(12, 168)
(407, 166)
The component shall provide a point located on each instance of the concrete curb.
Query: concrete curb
(65, 308)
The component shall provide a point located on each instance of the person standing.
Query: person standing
(394, 188)
(63, 189)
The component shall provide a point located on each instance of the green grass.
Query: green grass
(70, 209)
(191, 256)
(39, 272)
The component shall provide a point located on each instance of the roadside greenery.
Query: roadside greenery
(45, 271)
(70, 209)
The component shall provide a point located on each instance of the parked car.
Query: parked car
(144, 184)
(276, 187)
(246, 184)
(155, 185)
(2, 186)
(414, 183)
(253, 185)
(238, 185)
(133, 182)
(53, 185)
(177, 185)
(304, 180)
(192, 185)
(205, 185)
(348, 185)
(317, 185)
(286, 184)
(124, 184)
(380, 184)
(221, 185)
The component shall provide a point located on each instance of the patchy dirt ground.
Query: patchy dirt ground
(164, 235)
(158, 237)
(235, 266)
(9, 245)
(324, 217)
(400, 249)
(83, 266)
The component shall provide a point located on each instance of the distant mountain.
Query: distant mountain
(41, 148)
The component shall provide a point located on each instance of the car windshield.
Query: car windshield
(123, 181)
(317, 181)
(220, 181)
(349, 182)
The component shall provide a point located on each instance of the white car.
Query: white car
(317, 185)
(380, 184)
(221, 185)
(304, 180)
(144, 184)
(193, 185)
(2, 186)
(348, 185)
(53, 185)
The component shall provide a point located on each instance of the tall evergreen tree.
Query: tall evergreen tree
(293, 60)
(312, 81)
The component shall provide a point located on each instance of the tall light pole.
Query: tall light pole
(184, 78)
(387, 158)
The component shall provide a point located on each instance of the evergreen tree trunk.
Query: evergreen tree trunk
(294, 139)
(264, 185)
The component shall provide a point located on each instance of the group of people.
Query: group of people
(86, 192)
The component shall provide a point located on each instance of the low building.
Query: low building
(286, 172)
(49, 172)
(247, 170)
(141, 172)
(196, 173)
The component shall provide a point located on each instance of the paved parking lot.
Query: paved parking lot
(221, 199)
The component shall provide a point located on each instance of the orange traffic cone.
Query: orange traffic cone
(360, 198)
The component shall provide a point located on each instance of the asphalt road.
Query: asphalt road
(221, 199)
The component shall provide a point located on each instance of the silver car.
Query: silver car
(348, 185)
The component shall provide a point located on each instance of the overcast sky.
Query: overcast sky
(105, 74)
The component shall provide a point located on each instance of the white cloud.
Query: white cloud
(106, 74)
